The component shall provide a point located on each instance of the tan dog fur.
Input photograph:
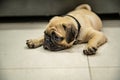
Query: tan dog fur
(90, 30)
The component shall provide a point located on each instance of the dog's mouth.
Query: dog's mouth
(52, 47)
(49, 44)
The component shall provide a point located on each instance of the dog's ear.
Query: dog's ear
(71, 32)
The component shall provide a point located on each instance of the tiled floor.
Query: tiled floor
(17, 62)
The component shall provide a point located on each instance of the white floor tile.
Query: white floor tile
(105, 73)
(13, 36)
(37, 59)
(45, 74)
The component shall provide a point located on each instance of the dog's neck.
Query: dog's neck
(78, 24)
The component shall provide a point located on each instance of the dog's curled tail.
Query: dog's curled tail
(84, 6)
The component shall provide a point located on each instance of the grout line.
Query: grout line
(105, 66)
(89, 68)
(28, 68)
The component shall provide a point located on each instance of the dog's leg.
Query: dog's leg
(96, 39)
(34, 43)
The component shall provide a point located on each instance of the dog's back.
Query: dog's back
(86, 17)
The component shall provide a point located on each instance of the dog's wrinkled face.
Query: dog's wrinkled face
(60, 34)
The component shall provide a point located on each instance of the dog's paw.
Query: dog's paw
(30, 43)
(90, 51)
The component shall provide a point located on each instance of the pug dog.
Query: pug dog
(81, 25)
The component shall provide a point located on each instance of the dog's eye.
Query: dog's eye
(64, 26)
(56, 38)
(45, 33)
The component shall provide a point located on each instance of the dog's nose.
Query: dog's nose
(45, 47)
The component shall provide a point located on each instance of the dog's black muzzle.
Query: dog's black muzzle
(49, 44)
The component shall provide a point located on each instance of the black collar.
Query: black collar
(78, 24)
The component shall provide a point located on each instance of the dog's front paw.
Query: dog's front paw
(30, 43)
(90, 50)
